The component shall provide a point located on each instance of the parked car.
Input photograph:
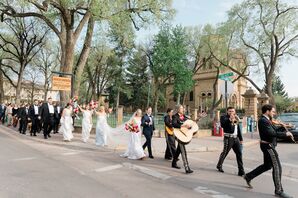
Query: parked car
(291, 118)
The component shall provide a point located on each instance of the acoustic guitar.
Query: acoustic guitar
(184, 134)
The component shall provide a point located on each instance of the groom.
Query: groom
(148, 128)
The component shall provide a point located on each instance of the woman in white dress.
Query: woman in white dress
(86, 122)
(66, 123)
(134, 148)
(102, 127)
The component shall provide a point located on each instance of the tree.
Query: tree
(278, 88)
(168, 62)
(19, 45)
(47, 60)
(138, 78)
(266, 29)
(68, 18)
(33, 79)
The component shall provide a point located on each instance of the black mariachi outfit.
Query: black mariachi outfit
(231, 142)
(177, 122)
(268, 134)
(170, 139)
(34, 118)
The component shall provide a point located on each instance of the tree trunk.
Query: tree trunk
(269, 92)
(178, 99)
(83, 56)
(19, 84)
(117, 99)
(1, 86)
(67, 59)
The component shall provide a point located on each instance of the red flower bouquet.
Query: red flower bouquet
(132, 127)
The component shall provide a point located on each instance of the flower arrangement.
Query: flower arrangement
(132, 126)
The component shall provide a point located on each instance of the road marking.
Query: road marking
(109, 168)
(205, 191)
(249, 169)
(147, 171)
(24, 159)
(71, 153)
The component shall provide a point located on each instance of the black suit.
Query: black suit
(2, 113)
(268, 134)
(34, 118)
(177, 122)
(148, 128)
(23, 114)
(57, 118)
(170, 139)
(48, 119)
(231, 142)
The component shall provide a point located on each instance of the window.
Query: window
(191, 96)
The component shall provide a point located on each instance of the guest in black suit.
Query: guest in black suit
(232, 139)
(47, 114)
(34, 116)
(58, 110)
(2, 112)
(170, 139)
(148, 128)
(177, 122)
(268, 134)
(23, 116)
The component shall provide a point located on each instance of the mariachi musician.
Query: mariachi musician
(177, 122)
(169, 134)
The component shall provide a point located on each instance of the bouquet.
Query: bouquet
(132, 126)
(74, 103)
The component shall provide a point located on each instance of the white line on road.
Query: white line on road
(109, 168)
(71, 153)
(24, 159)
(147, 171)
(205, 191)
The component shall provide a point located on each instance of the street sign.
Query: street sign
(61, 83)
(226, 76)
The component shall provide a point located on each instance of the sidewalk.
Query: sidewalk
(203, 144)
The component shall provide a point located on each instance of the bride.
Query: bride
(66, 123)
(134, 148)
(102, 127)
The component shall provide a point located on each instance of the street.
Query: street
(32, 169)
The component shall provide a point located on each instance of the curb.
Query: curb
(117, 148)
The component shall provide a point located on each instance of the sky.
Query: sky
(200, 12)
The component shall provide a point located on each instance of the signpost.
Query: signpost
(226, 77)
(63, 83)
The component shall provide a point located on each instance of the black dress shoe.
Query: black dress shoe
(30, 134)
(175, 166)
(34, 135)
(188, 171)
(49, 136)
(247, 181)
(283, 195)
(45, 137)
(168, 158)
(151, 157)
(241, 174)
(220, 169)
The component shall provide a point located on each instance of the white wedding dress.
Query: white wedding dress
(86, 125)
(102, 130)
(66, 125)
(134, 147)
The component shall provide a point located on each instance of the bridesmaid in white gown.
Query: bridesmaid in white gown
(66, 123)
(86, 122)
(102, 127)
(134, 148)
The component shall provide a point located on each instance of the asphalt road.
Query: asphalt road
(32, 169)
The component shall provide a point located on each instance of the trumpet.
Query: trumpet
(234, 119)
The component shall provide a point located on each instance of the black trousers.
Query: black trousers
(181, 150)
(271, 160)
(48, 126)
(147, 144)
(57, 122)
(231, 143)
(23, 125)
(171, 146)
(35, 125)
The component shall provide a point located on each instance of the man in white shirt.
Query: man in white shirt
(35, 118)
(47, 114)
